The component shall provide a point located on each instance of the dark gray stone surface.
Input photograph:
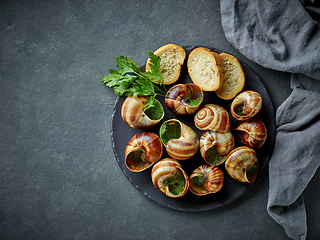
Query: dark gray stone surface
(58, 175)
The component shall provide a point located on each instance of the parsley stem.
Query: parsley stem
(160, 91)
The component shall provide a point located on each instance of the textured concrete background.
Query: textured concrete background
(59, 178)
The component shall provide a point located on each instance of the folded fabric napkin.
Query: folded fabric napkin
(285, 36)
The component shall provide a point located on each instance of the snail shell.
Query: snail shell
(206, 179)
(180, 140)
(251, 132)
(246, 105)
(169, 177)
(215, 146)
(142, 151)
(242, 164)
(184, 99)
(134, 114)
(212, 117)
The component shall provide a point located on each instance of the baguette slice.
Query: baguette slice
(205, 69)
(234, 78)
(172, 58)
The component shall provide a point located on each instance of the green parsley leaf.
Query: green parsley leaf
(155, 71)
(129, 80)
(150, 102)
(126, 65)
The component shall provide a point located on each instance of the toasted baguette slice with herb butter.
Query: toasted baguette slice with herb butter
(234, 77)
(205, 69)
(172, 58)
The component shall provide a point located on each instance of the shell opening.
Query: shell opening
(251, 172)
(135, 159)
(194, 98)
(238, 135)
(155, 112)
(197, 183)
(239, 109)
(213, 157)
(170, 130)
(176, 183)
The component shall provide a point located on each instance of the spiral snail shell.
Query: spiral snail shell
(214, 146)
(184, 99)
(142, 151)
(133, 112)
(242, 164)
(180, 140)
(206, 179)
(169, 177)
(246, 105)
(212, 117)
(251, 132)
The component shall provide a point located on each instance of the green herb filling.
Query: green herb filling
(198, 183)
(239, 110)
(213, 157)
(155, 112)
(176, 182)
(170, 130)
(252, 171)
(136, 160)
(192, 101)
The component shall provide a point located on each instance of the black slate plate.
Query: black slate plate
(121, 133)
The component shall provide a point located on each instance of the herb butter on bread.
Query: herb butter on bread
(205, 69)
(234, 77)
(172, 58)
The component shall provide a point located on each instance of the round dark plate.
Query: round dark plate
(121, 133)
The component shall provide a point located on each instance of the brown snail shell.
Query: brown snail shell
(206, 179)
(242, 164)
(180, 140)
(169, 177)
(212, 117)
(251, 132)
(215, 146)
(246, 105)
(134, 114)
(184, 99)
(142, 151)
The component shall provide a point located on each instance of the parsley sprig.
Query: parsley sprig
(129, 80)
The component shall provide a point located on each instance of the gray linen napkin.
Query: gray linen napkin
(285, 36)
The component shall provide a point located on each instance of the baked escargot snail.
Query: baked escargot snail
(212, 117)
(251, 132)
(180, 140)
(215, 146)
(246, 105)
(169, 177)
(142, 151)
(184, 99)
(206, 179)
(242, 164)
(135, 114)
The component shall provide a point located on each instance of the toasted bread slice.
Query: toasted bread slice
(172, 57)
(234, 77)
(205, 69)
